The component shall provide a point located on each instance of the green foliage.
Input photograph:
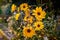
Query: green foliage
(0, 11)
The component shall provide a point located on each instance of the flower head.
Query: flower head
(27, 12)
(13, 7)
(39, 13)
(17, 16)
(29, 19)
(24, 6)
(28, 32)
(38, 25)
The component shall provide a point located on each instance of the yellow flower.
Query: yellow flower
(17, 16)
(28, 32)
(24, 6)
(27, 12)
(13, 7)
(29, 19)
(39, 13)
(38, 25)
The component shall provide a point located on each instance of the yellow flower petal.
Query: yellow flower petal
(17, 16)
(29, 19)
(13, 7)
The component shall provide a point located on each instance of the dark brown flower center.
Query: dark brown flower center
(27, 17)
(28, 30)
(38, 25)
(38, 13)
(23, 6)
